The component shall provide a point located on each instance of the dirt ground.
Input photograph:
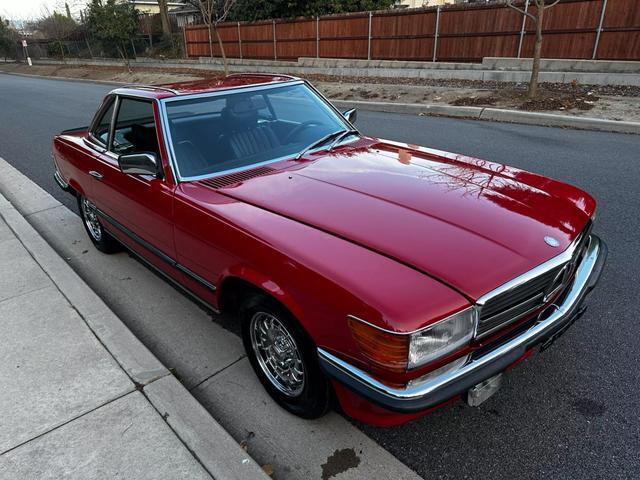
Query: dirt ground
(578, 100)
(607, 102)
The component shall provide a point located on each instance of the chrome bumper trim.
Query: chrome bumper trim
(432, 392)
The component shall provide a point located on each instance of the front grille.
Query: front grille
(514, 304)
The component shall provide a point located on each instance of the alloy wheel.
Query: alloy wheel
(90, 214)
(277, 353)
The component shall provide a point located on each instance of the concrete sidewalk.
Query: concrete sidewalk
(80, 396)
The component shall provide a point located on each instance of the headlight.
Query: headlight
(442, 338)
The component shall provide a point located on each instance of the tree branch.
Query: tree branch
(551, 5)
(519, 10)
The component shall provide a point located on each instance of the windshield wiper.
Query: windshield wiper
(319, 142)
(343, 135)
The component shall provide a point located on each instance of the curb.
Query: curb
(496, 115)
(564, 121)
(208, 442)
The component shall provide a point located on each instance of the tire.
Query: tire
(100, 238)
(310, 398)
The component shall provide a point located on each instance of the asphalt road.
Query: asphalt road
(571, 412)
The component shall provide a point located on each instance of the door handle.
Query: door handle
(95, 174)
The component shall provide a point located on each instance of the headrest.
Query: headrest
(241, 106)
(240, 112)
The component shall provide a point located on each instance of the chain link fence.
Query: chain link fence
(148, 45)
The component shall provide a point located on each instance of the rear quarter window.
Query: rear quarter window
(100, 131)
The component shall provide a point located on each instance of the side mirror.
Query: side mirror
(351, 115)
(139, 164)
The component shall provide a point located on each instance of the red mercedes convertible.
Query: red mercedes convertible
(391, 277)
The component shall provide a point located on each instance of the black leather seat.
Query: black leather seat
(243, 135)
(192, 162)
(143, 139)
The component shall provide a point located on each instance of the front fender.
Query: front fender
(264, 282)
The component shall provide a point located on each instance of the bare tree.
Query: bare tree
(537, 49)
(164, 18)
(213, 13)
(56, 26)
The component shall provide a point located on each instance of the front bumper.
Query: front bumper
(437, 390)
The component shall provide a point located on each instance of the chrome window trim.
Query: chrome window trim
(118, 96)
(224, 91)
(112, 127)
(235, 89)
(332, 107)
(164, 120)
(168, 142)
(135, 86)
(100, 111)
(91, 139)
(233, 170)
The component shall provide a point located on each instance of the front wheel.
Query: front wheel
(284, 358)
(100, 238)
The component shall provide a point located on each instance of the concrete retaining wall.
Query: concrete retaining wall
(562, 65)
(586, 72)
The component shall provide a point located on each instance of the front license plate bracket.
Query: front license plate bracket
(479, 393)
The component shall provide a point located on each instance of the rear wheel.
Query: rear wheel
(284, 357)
(100, 238)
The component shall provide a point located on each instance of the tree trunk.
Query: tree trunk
(224, 56)
(537, 50)
(210, 42)
(124, 57)
(88, 46)
(164, 17)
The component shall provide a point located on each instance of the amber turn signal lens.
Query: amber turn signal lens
(384, 349)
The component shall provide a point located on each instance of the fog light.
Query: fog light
(482, 391)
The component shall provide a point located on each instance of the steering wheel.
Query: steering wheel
(299, 128)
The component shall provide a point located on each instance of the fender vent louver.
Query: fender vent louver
(233, 178)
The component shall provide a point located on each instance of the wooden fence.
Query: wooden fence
(600, 29)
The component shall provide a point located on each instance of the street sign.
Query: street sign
(24, 43)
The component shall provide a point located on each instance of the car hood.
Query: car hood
(470, 223)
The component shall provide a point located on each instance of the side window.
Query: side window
(135, 129)
(101, 130)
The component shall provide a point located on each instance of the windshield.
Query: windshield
(218, 133)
